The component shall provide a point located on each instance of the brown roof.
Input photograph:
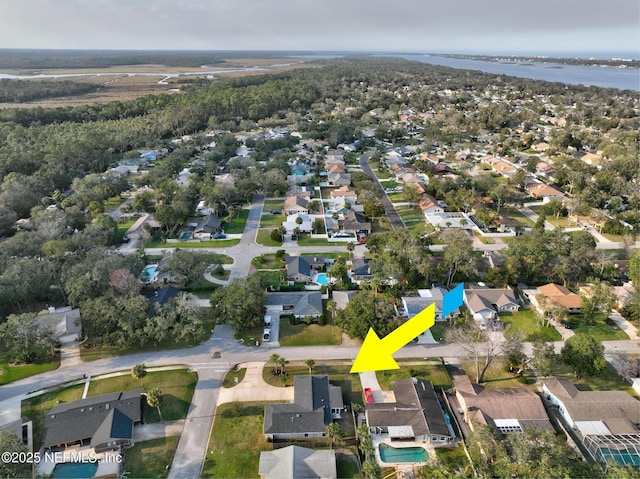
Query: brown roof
(561, 295)
(541, 189)
(343, 191)
(427, 201)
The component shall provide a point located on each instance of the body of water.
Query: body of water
(607, 77)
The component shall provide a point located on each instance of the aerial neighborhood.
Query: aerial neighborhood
(186, 278)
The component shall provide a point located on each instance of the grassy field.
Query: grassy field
(308, 335)
(525, 321)
(267, 261)
(305, 240)
(607, 380)
(515, 215)
(407, 213)
(230, 378)
(497, 376)
(176, 385)
(11, 372)
(236, 441)
(124, 226)
(264, 239)
(136, 458)
(434, 372)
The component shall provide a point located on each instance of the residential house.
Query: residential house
(624, 294)
(416, 415)
(342, 298)
(339, 179)
(345, 192)
(426, 297)
(607, 422)
(292, 223)
(101, 422)
(485, 304)
(301, 269)
(429, 205)
(544, 169)
(506, 409)
(295, 462)
(300, 304)
(163, 295)
(296, 204)
(556, 294)
(207, 227)
(541, 190)
(65, 322)
(315, 404)
(505, 169)
(541, 147)
(360, 269)
(354, 223)
(335, 168)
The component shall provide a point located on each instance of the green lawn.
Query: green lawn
(236, 441)
(136, 458)
(397, 197)
(525, 321)
(237, 225)
(123, 226)
(176, 385)
(273, 205)
(193, 244)
(267, 220)
(230, 378)
(497, 376)
(408, 213)
(306, 240)
(10, 373)
(434, 372)
(264, 239)
(416, 227)
(308, 335)
(599, 330)
(347, 465)
(607, 380)
(267, 261)
(515, 215)
(272, 278)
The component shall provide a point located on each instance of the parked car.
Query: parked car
(266, 335)
(219, 236)
(368, 395)
(566, 324)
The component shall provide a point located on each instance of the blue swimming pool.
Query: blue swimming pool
(322, 279)
(75, 470)
(402, 454)
(148, 272)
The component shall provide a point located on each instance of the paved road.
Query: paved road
(392, 215)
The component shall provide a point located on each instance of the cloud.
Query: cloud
(326, 25)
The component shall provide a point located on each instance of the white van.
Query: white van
(267, 320)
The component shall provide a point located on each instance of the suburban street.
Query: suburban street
(192, 446)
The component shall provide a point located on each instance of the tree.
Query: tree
(478, 345)
(371, 470)
(364, 311)
(310, 364)
(584, 354)
(239, 304)
(460, 260)
(154, 399)
(139, 371)
(334, 431)
(513, 350)
(275, 359)
(10, 443)
(544, 357)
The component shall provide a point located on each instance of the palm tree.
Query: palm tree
(282, 362)
(275, 359)
(154, 399)
(139, 371)
(332, 307)
(310, 363)
(350, 248)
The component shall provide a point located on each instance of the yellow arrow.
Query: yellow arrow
(375, 353)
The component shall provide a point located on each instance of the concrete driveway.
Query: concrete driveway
(254, 388)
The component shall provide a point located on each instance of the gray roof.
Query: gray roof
(415, 304)
(93, 416)
(361, 266)
(478, 299)
(208, 224)
(302, 264)
(310, 411)
(63, 321)
(304, 303)
(295, 462)
(342, 298)
(416, 406)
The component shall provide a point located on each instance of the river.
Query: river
(607, 77)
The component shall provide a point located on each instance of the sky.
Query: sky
(478, 26)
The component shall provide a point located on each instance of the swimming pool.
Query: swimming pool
(402, 454)
(148, 272)
(75, 470)
(322, 279)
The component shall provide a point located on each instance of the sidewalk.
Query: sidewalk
(254, 388)
(625, 325)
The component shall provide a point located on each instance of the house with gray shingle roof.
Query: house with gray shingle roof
(301, 268)
(315, 404)
(102, 422)
(415, 415)
(295, 462)
(300, 304)
(426, 297)
(486, 303)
